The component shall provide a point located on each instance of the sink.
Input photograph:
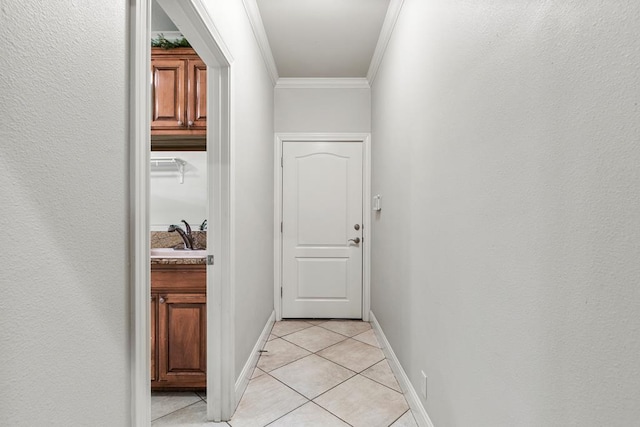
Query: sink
(178, 253)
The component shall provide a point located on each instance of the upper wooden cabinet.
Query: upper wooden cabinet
(179, 100)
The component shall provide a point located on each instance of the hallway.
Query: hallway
(312, 373)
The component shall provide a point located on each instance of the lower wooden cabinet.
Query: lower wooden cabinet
(154, 334)
(179, 326)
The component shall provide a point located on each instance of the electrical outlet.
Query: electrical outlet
(424, 385)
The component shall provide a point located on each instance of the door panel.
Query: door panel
(322, 202)
(154, 333)
(168, 93)
(197, 95)
(322, 199)
(182, 335)
(322, 278)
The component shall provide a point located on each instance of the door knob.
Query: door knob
(161, 300)
(356, 240)
(357, 227)
(190, 123)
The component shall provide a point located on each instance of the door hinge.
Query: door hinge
(281, 162)
(209, 259)
(280, 291)
(281, 226)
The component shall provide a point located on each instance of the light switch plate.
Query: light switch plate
(377, 205)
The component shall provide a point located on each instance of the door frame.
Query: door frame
(196, 24)
(365, 139)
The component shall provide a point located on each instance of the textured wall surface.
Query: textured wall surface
(506, 145)
(322, 110)
(63, 173)
(252, 156)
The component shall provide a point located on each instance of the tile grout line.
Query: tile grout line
(275, 324)
(319, 355)
(331, 388)
(350, 378)
(327, 329)
(322, 407)
(355, 373)
(173, 412)
(343, 339)
(286, 364)
(307, 400)
(291, 342)
(384, 385)
(348, 336)
(284, 415)
(401, 415)
(394, 377)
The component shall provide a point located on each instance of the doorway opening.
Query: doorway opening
(196, 25)
(178, 203)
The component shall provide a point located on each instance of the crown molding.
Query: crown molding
(393, 11)
(323, 83)
(253, 13)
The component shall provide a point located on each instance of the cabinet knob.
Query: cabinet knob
(190, 123)
(161, 300)
(180, 123)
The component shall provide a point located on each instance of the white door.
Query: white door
(322, 230)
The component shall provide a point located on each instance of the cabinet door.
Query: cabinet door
(182, 339)
(168, 97)
(154, 328)
(197, 95)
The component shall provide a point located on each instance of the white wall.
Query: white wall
(505, 258)
(64, 308)
(322, 110)
(252, 157)
(159, 19)
(169, 200)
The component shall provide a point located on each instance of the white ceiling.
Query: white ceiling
(322, 38)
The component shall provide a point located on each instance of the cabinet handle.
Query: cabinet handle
(179, 122)
(161, 300)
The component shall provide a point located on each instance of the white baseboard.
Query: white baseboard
(243, 380)
(419, 412)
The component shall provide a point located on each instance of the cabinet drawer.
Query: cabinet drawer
(178, 278)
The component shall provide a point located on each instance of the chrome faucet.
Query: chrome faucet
(186, 237)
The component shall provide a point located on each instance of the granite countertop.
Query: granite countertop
(191, 261)
(164, 239)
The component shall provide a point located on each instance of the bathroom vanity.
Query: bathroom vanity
(178, 323)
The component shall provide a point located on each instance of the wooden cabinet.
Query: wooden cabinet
(179, 326)
(154, 340)
(179, 100)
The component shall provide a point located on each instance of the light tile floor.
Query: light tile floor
(313, 373)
